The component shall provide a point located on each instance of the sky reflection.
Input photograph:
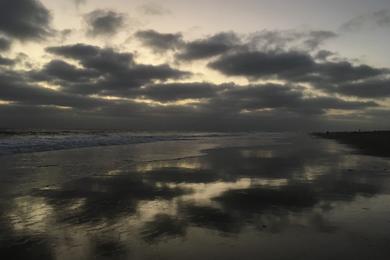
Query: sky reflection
(223, 202)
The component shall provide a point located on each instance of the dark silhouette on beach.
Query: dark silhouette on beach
(375, 143)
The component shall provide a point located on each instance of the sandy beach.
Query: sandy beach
(278, 196)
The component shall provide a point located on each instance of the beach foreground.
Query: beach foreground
(244, 196)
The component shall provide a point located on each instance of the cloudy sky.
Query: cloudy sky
(215, 65)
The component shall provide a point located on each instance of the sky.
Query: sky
(178, 65)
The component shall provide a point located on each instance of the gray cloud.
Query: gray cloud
(104, 22)
(226, 101)
(109, 72)
(5, 44)
(230, 42)
(293, 66)
(209, 47)
(151, 8)
(77, 51)
(160, 42)
(264, 64)
(264, 41)
(378, 19)
(25, 19)
(323, 55)
(316, 38)
(376, 88)
(64, 34)
(15, 87)
(6, 61)
(82, 70)
(58, 70)
(78, 3)
(274, 40)
(288, 98)
(233, 99)
(101, 59)
(179, 91)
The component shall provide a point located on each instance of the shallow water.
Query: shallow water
(252, 196)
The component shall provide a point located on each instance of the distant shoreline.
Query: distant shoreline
(375, 143)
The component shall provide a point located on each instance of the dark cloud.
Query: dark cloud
(229, 42)
(289, 98)
(225, 42)
(209, 47)
(264, 64)
(125, 78)
(110, 71)
(15, 87)
(323, 55)
(60, 70)
(377, 88)
(5, 44)
(6, 61)
(336, 72)
(104, 22)
(160, 42)
(24, 19)
(293, 66)
(105, 60)
(77, 51)
(236, 107)
(316, 38)
(312, 84)
(179, 91)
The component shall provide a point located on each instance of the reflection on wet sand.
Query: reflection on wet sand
(224, 202)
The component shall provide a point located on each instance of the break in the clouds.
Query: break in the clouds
(24, 19)
(176, 79)
(104, 22)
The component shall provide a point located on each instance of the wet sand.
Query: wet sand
(275, 196)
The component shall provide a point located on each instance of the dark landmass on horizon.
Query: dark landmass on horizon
(375, 143)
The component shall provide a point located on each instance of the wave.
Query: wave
(13, 142)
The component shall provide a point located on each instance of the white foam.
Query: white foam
(28, 142)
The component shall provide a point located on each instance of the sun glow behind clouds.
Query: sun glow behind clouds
(5, 102)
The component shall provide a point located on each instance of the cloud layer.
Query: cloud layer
(103, 22)
(266, 80)
(25, 19)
